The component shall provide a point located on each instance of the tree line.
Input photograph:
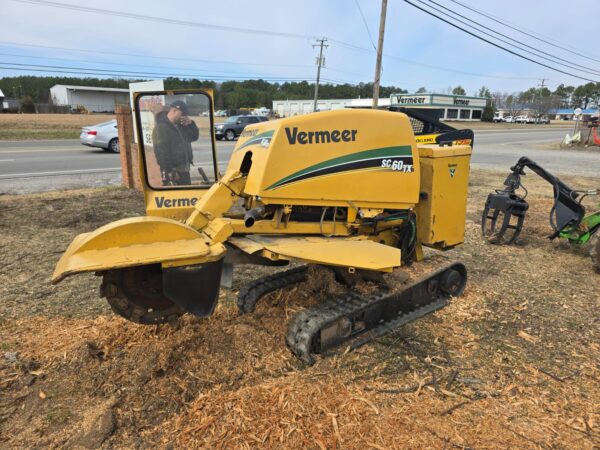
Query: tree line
(32, 90)
(228, 94)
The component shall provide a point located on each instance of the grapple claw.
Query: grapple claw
(507, 208)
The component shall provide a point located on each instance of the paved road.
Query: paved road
(34, 166)
(499, 150)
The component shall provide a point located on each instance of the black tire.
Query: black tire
(595, 250)
(113, 145)
(230, 135)
(136, 294)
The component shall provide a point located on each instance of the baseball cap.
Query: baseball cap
(181, 106)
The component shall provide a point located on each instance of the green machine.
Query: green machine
(504, 212)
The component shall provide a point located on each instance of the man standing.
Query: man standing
(172, 139)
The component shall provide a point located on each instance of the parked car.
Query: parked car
(103, 135)
(543, 119)
(221, 113)
(508, 119)
(233, 126)
(261, 111)
(498, 119)
(521, 119)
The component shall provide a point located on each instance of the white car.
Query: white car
(103, 135)
(508, 119)
(521, 119)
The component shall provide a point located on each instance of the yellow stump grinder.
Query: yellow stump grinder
(350, 190)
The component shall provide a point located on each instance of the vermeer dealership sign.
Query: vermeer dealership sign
(437, 100)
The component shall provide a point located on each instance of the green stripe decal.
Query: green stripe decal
(378, 153)
(257, 139)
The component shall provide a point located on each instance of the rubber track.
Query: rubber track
(306, 324)
(250, 294)
(305, 327)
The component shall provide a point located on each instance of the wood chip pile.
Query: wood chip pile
(514, 363)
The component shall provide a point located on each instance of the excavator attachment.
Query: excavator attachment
(509, 208)
(503, 217)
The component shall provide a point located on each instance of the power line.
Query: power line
(41, 67)
(497, 45)
(234, 29)
(431, 66)
(160, 57)
(366, 25)
(121, 74)
(336, 42)
(172, 68)
(555, 59)
(520, 30)
(109, 12)
(111, 63)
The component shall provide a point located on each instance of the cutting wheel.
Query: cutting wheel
(136, 294)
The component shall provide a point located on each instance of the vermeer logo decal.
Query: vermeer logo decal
(162, 202)
(319, 137)
(452, 169)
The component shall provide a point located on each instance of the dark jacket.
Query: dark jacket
(173, 143)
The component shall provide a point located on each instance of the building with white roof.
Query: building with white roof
(92, 99)
(452, 107)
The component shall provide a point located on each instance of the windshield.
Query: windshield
(232, 119)
(177, 145)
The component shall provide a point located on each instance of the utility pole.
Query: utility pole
(379, 53)
(319, 64)
(540, 106)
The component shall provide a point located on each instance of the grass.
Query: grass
(20, 134)
(46, 126)
(19, 127)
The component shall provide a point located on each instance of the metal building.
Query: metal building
(453, 107)
(286, 108)
(92, 99)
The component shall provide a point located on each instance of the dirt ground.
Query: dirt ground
(513, 363)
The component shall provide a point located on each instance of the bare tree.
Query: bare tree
(543, 105)
(513, 105)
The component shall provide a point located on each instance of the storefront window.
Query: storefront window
(476, 114)
(465, 113)
(452, 114)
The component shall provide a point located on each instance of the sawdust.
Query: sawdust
(513, 363)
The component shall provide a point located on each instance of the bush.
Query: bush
(488, 113)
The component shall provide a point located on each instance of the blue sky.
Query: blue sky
(419, 50)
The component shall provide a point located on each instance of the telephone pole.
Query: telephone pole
(540, 102)
(319, 64)
(379, 54)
